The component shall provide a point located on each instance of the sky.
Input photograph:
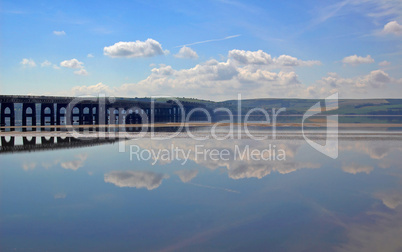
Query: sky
(212, 49)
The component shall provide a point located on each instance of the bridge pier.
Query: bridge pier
(9, 143)
(77, 111)
(63, 140)
(47, 141)
(61, 114)
(26, 115)
(46, 116)
(7, 111)
(87, 118)
(25, 141)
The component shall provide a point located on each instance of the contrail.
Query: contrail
(210, 40)
(214, 187)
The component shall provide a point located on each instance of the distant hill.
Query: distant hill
(346, 106)
(349, 110)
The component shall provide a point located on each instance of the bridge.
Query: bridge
(59, 110)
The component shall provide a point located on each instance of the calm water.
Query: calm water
(101, 198)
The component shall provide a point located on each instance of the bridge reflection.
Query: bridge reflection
(42, 141)
(13, 144)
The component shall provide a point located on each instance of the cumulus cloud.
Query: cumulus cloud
(238, 166)
(28, 62)
(393, 28)
(75, 164)
(135, 49)
(75, 64)
(186, 175)
(136, 179)
(289, 61)
(384, 63)
(28, 166)
(248, 57)
(94, 90)
(355, 60)
(261, 169)
(45, 63)
(390, 199)
(186, 53)
(254, 74)
(377, 78)
(72, 63)
(262, 58)
(214, 78)
(374, 231)
(357, 168)
(82, 71)
(90, 55)
(59, 33)
(360, 86)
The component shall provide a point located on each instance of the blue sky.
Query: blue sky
(257, 48)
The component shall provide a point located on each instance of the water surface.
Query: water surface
(98, 197)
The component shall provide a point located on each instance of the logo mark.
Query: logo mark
(330, 148)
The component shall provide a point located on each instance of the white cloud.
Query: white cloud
(289, 61)
(377, 150)
(391, 199)
(45, 63)
(384, 63)
(59, 33)
(262, 58)
(377, 78)
(75, 164)
(72, 63)
(90, 55)
(82, 71)
(135, 49)
(136, 179)
(95, 90)
(393, 27)
(356, 60)
(375, 230)
(28, 166)
(186, 53)
(28, 62)
(224, 80)
(186, 175)
(236, 166)
(360, 86)
(248, 57)
(357, 168)
(215, 79)
(254, 75)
